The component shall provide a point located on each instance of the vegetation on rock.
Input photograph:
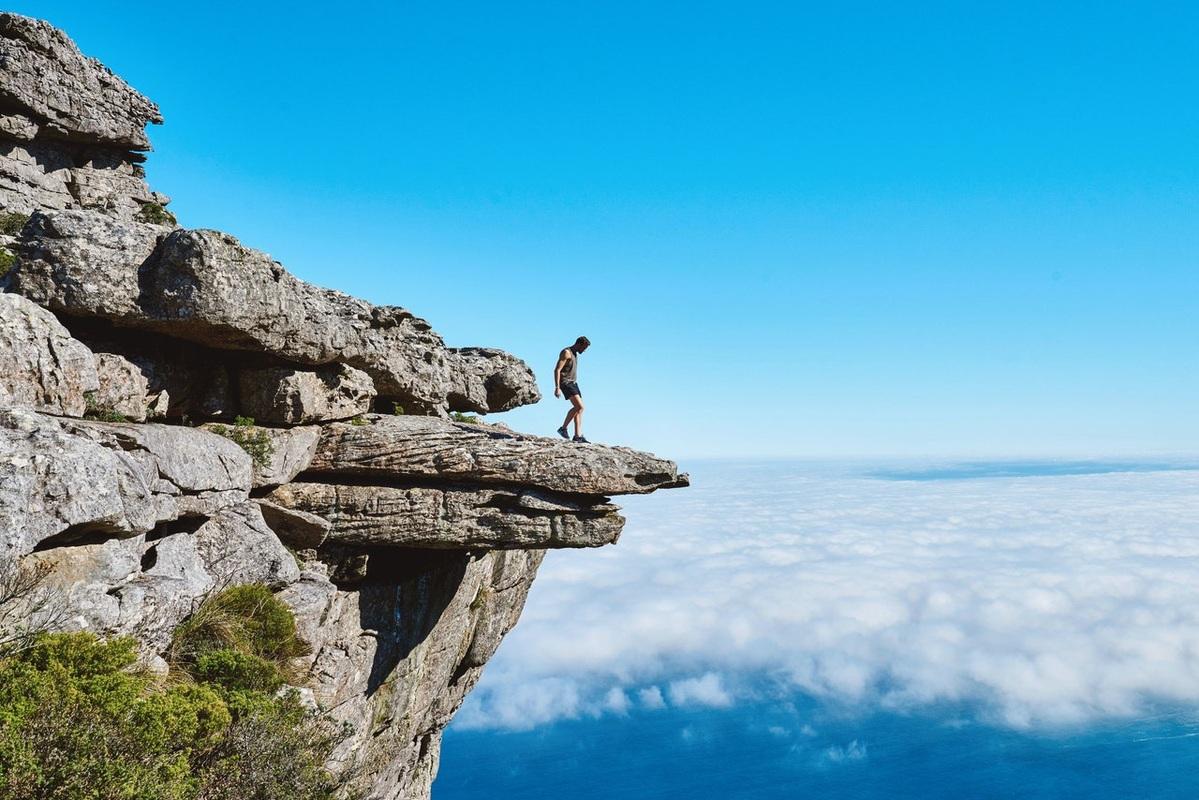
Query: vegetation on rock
(155, 214)
(468, 419)
(11, 224)
(7, 259)
(254, 441)
(94, 409)
(80, 720)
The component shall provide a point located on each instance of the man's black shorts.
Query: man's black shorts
(570, 389)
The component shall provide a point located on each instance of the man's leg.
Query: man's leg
(577, 412)
(569, 416)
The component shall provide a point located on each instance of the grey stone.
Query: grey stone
(296, 528)
(449, 518)
(422, 447)
(205, 287)
(487, 380)
(77, 97)
(416, 643)
(289, 396)
(123, 387)
(292, 450)
(146, 588)
(41, 366)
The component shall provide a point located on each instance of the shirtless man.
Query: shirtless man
(566, 383)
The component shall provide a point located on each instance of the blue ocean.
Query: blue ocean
(1014, 629)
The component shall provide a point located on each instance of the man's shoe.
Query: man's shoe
(562, 432)
(581, 439)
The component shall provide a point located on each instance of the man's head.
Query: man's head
(581, 344)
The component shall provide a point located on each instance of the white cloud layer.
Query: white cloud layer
(1040, 600)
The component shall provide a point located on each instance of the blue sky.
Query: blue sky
(789, 229)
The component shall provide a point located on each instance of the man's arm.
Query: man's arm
(558, 372)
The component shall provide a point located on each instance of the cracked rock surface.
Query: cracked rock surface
(134, 352)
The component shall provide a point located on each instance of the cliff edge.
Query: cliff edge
(133, 355)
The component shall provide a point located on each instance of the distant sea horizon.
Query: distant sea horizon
(898, 628)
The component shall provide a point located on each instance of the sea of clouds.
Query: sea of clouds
(1036, 600)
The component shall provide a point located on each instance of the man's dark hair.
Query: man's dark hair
(582, 341)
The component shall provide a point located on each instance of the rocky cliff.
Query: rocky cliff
(404, 540)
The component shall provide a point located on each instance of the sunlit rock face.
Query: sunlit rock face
(129, 348)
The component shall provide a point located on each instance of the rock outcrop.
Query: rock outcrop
(133, 354)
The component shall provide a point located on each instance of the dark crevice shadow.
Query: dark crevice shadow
(402, 598)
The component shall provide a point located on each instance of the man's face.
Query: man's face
(582, 348)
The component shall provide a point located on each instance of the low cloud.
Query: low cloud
(1036, 600)
(706, 690)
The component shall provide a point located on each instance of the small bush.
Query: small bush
(11, 224)
(254, 441)
(93, 409)
(7, 259)
(80, 721)
(156, 215)
(468, 419)
(360, 421)
(248, 619)
(397, 409)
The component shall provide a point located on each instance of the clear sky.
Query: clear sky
(788, 228)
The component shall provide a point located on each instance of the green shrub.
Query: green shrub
(247, 619)
(360, 421)
(11, 224)
(156, 214)
(80, 721)
(253, 440)
(93, 409)
(397, 409)
(469, 419)
(7, 259)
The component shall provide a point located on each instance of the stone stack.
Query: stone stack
(405, 542)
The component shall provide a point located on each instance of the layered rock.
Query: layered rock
(69, 128)
(448, 518)
(206, 287)
(41, 365)
(406, 545)
(414, 448)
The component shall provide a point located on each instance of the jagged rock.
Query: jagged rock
(123, 387)
(205, 287)
(450, 518)
(287, 396)
(75, 97)
(69, 480)
(53, 482)
(68, 127)
(295, 528)
(41, 366)
(391, 448)
(146, 588)
(83, 263)
(486, 380)
(291, 451)
(18, 126)
(414, 634)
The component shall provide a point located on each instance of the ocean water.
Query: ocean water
(783, 630)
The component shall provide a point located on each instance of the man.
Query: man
(566, 383)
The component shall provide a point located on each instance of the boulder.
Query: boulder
(41, 366)
(147, 587)
(486, 380)
(74, 97)
(64, 481)
(382, 516)
(123, 387)
(206, 287)
(289, 396)
(394, 448)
